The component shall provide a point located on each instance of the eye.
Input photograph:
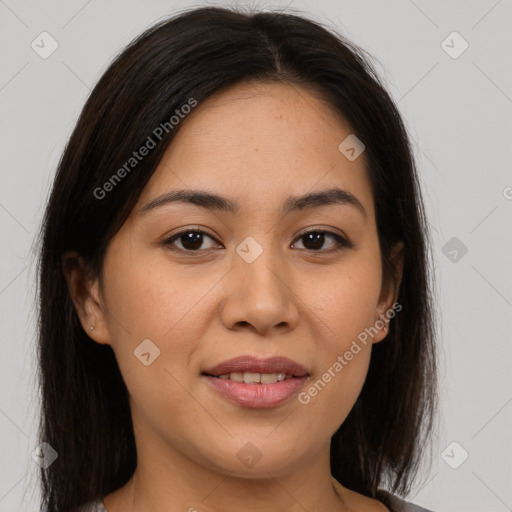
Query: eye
(191, 240)
(315, 239)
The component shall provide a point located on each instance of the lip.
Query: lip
(258, 396)
(253, 364)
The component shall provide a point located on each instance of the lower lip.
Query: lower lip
(258, 396)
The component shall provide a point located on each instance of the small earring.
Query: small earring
(91, 328)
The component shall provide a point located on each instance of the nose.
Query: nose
(260, 295)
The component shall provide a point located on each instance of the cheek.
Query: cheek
(333, 393)
(348, 312)
(169, 308)
(149, 299)
(345, 359)
(347, 302)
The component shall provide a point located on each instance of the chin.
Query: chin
(256, 460)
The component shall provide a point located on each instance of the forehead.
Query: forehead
(261, 141)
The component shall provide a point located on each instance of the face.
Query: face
(266, 273)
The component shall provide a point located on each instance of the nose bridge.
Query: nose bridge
(258, 292)
(264, 275)
(260, 264)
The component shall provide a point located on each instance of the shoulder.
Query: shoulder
(93, 506)
(397, 504)
(356, 501)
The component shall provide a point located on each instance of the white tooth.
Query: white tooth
(268, 378)
(251, 378)
(255, 378)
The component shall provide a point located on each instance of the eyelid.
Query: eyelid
(186, 229)
(327, 230)
(324, 229)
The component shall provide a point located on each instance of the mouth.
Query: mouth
(257, 383)
(251, 367)
(254, 377)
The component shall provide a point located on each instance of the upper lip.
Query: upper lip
(251, 364)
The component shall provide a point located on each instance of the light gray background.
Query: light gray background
(458, 112)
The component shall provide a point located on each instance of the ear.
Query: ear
(84, 291)
(389, 294)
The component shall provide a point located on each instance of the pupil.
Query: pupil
(192, 240)
(316, 238)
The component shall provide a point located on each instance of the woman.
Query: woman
(234, 300)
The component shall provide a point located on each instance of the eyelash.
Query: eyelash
(342, 243)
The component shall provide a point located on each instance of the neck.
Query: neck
(165, 478)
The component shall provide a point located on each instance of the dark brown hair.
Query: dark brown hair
(85, 412)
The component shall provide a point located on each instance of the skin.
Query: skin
(257, 144)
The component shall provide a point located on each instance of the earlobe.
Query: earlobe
(84, 292)
(381, 325)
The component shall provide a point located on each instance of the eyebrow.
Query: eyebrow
(211, 201)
